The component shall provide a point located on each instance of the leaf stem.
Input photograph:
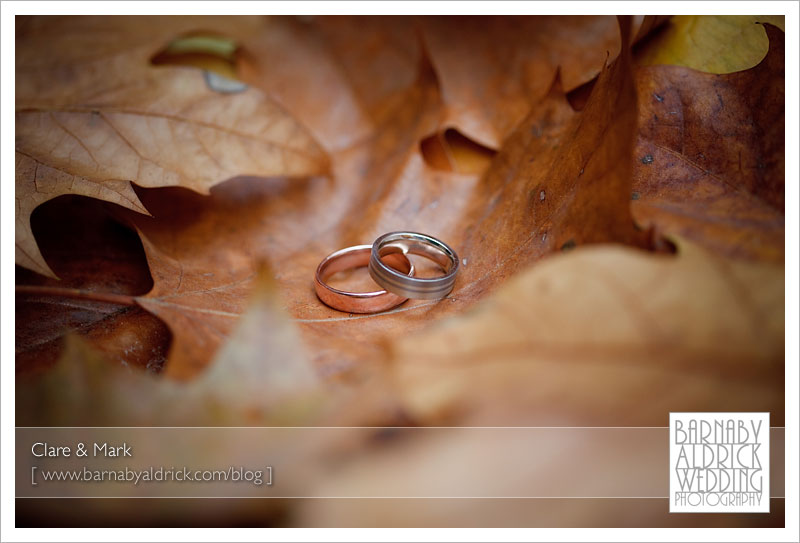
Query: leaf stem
(81, 294)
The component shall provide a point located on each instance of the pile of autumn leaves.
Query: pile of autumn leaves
(556, 162)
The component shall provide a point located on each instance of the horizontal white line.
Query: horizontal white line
(351, 427)
(354, 497)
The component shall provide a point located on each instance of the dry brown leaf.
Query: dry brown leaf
(541, 465)
(571, 185)
(599, 335)
(92, 253)
(203, 253)
(199, 305)
(606, 336)
(339, 76)
(561, 180)
(91, 126)
(491, 70)
(513, 359)
(709, 158)
(240, 386)
(451, 151)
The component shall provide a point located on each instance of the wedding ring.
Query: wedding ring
(358, 302)
(407, 285)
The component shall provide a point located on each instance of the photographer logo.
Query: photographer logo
(719, 462)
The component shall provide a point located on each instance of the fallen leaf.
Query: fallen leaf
(494, 69)
(709, 158)
(93, 254)
(561, 180)
(416, 469)
(531, 323)
(199, 305)
(451, 151)
(606, 336)
(241, 385)
(361, 65)
(362, 62)
(718, 44)
(558, 182)
(202, 251)
(91, 126)
(542, 327)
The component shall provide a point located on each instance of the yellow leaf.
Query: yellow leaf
(710, 43)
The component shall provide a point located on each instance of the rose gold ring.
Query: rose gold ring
(358, 302)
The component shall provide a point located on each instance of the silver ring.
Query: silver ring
(418, 244)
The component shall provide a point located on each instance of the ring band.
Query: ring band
(406, 285)
(358, 302)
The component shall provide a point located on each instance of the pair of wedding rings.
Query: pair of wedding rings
(391, 269)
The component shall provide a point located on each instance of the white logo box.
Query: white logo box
(719, 463)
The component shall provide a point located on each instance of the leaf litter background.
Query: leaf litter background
(619, 211)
